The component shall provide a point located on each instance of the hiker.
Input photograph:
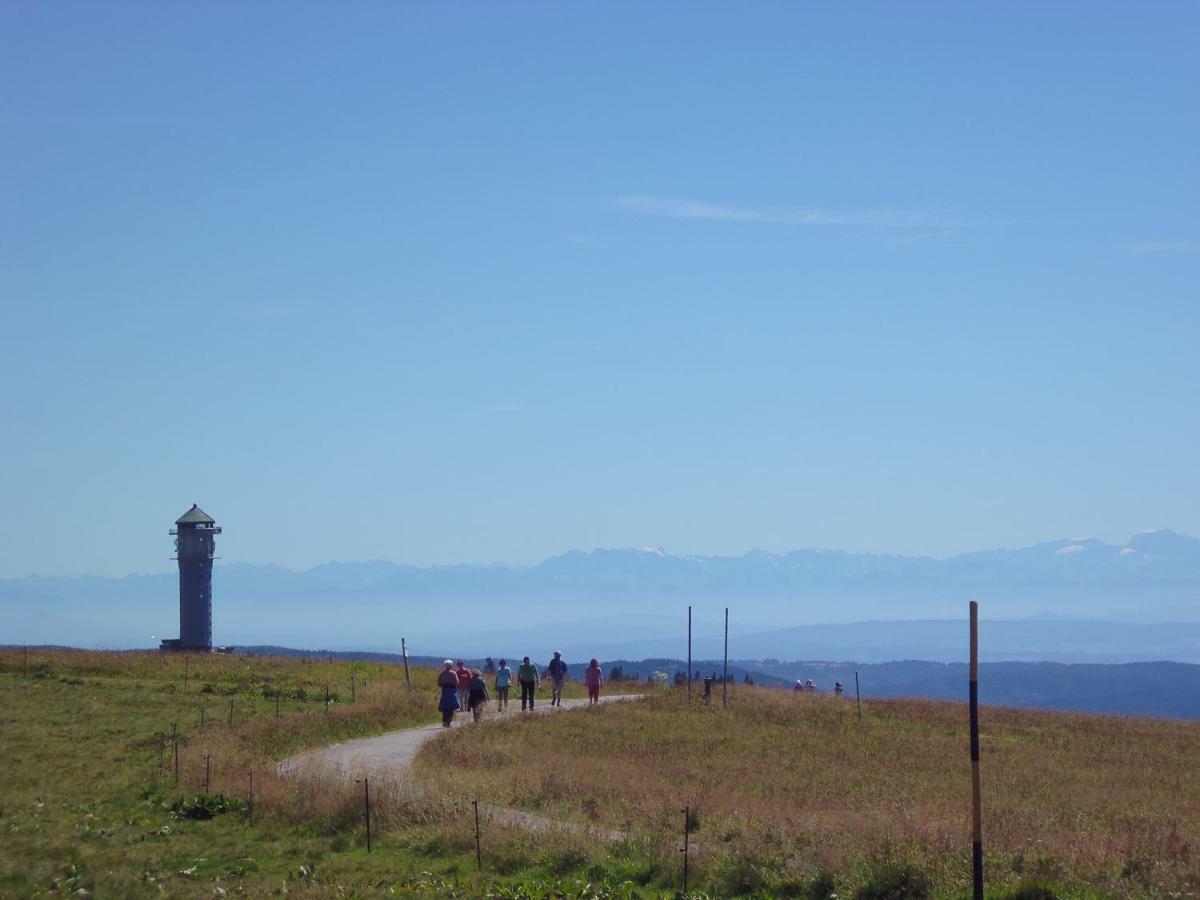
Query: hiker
(527, 675)
(593, 677)
(464, 683)
(447, 680)
(838, 689)
(503, 680)
(799, 688)
(558, 674)
(810, 686)
(477, 695)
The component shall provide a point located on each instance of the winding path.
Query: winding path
(388, 757)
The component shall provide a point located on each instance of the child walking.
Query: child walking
(503, 682)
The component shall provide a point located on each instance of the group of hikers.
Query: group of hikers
(810, 687)
(464, 688)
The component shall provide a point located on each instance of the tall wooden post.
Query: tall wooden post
(478, 844)
(976, 810)
(689, 681)
(404, 653)
(725, 666)
(367, 809)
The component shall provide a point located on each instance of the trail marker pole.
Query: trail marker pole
(230, 713)
(478, 846)
(366, 783)
(687, 818)
(689, 655)
(976, 810)
(404, 653)
(858, 696)
(725, 666)
(207, 772)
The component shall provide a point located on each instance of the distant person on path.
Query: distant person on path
(838, 688)
(799, 688)
(593, 677)
(810, 686)
(447, 680)
(527, 674)
(464, 683)
(558, 675)
(503, 681)
(477, 695)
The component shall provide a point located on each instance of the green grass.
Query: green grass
(792, 797)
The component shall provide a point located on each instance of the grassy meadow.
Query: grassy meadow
(792, 796)
(784, 787)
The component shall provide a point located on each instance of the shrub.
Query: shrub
(1033, 890)
(205, 806)
(895, 881)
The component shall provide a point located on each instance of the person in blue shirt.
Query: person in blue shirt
(558, 675)
(503, 683)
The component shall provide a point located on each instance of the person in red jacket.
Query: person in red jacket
(593, 678)
(464, 683)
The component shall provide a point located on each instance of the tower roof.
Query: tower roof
(195, 516)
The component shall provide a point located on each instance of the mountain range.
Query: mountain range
(625, 597)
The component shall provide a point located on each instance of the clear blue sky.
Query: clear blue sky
(475, 282)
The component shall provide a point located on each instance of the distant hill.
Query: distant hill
(614, 597)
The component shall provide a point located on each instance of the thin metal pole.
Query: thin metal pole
(207, 772)
(478, 846)
(353, 692)
(25, 662)
(689, 655)
(725, 666)
(858, 696)
(687, 818)
(976, 810)
(404, 653)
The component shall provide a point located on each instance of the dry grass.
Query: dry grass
(797, 783)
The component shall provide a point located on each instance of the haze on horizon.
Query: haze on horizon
(469, 284)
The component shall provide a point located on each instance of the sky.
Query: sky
(488, 282)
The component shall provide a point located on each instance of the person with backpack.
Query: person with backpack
(503, 681)
(558, 675)
(477, 695)
(593, 677)
(448, 702)
(527, 675)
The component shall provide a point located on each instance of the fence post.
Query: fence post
(404, 653)
(326, 698)
(366, 783)
(478, 846)
(687, 818)
(689, 655)
(207, 772)
(725, 665)
(976, 811)
(353, 692)
(858, 696)
(25, 661)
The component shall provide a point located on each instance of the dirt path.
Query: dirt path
(390, 755)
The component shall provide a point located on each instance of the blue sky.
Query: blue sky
(480, 282)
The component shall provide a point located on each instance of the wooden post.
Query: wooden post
(404, 653)
(478, 845)
(687, 819)
(858, 696)
(202, 717)
(976, 810)
(230, 713)
(326, 698)
(725, 667)
(689, 655)
(366, 783)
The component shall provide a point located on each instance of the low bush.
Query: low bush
(895, 881)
